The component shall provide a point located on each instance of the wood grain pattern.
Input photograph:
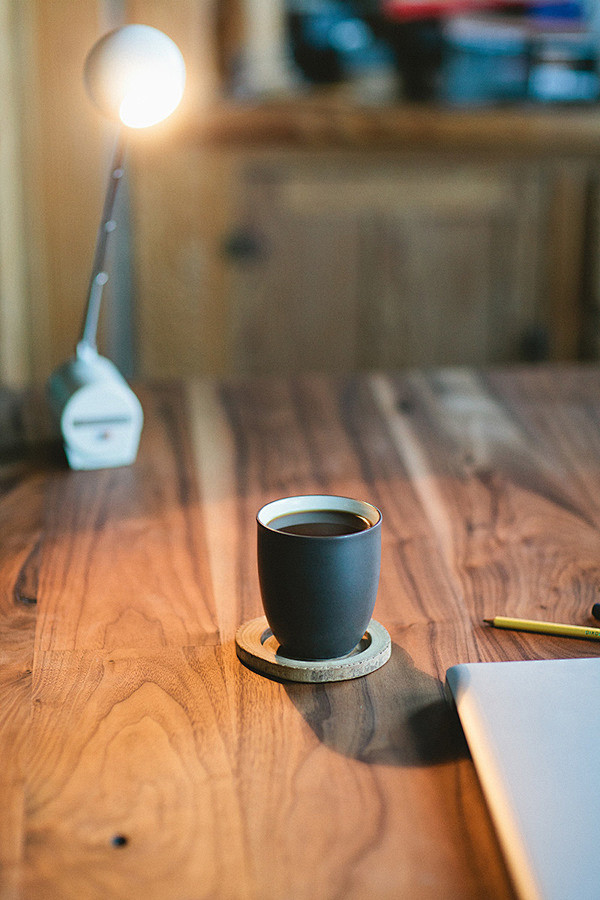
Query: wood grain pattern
(141, 759)
(146, 521)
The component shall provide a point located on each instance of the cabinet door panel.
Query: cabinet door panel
(430, 293)
(370, 268)
(295, 306)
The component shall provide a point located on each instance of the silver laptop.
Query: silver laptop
(533, 729)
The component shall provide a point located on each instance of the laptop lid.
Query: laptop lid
(533, 729)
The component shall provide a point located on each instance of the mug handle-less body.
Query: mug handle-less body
(318, 592)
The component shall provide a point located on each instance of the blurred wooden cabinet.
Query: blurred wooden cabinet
(359, 264)
(335, 261)
(291, 233)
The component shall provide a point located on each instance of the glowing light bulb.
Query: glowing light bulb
(135, 74)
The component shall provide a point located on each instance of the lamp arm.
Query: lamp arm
(99, 275)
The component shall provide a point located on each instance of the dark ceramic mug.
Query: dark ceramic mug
(318, 581)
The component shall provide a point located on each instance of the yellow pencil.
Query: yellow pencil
(576, 631)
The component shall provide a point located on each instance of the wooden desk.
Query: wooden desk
(141, 759)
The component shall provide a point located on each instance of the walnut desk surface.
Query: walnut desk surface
(141, 759)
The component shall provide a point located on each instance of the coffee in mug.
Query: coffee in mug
(320, 523)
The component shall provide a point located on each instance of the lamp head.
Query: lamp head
(136, 75)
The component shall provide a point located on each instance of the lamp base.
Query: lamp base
(99, 416)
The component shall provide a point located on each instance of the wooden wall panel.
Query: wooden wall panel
(69, 164)
(14, 362)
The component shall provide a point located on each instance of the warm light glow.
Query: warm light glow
(136, 74)
(150, 102)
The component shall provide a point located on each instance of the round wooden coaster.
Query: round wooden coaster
(258, 649)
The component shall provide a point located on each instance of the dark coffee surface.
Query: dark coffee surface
(320, 523)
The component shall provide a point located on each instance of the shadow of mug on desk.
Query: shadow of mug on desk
(318, 564)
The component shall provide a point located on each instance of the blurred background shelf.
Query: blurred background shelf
(330, 118)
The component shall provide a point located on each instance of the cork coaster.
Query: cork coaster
(258, 649)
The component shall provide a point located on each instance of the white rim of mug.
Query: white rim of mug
(317, 503)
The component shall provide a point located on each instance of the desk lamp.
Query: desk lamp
(136, 75)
